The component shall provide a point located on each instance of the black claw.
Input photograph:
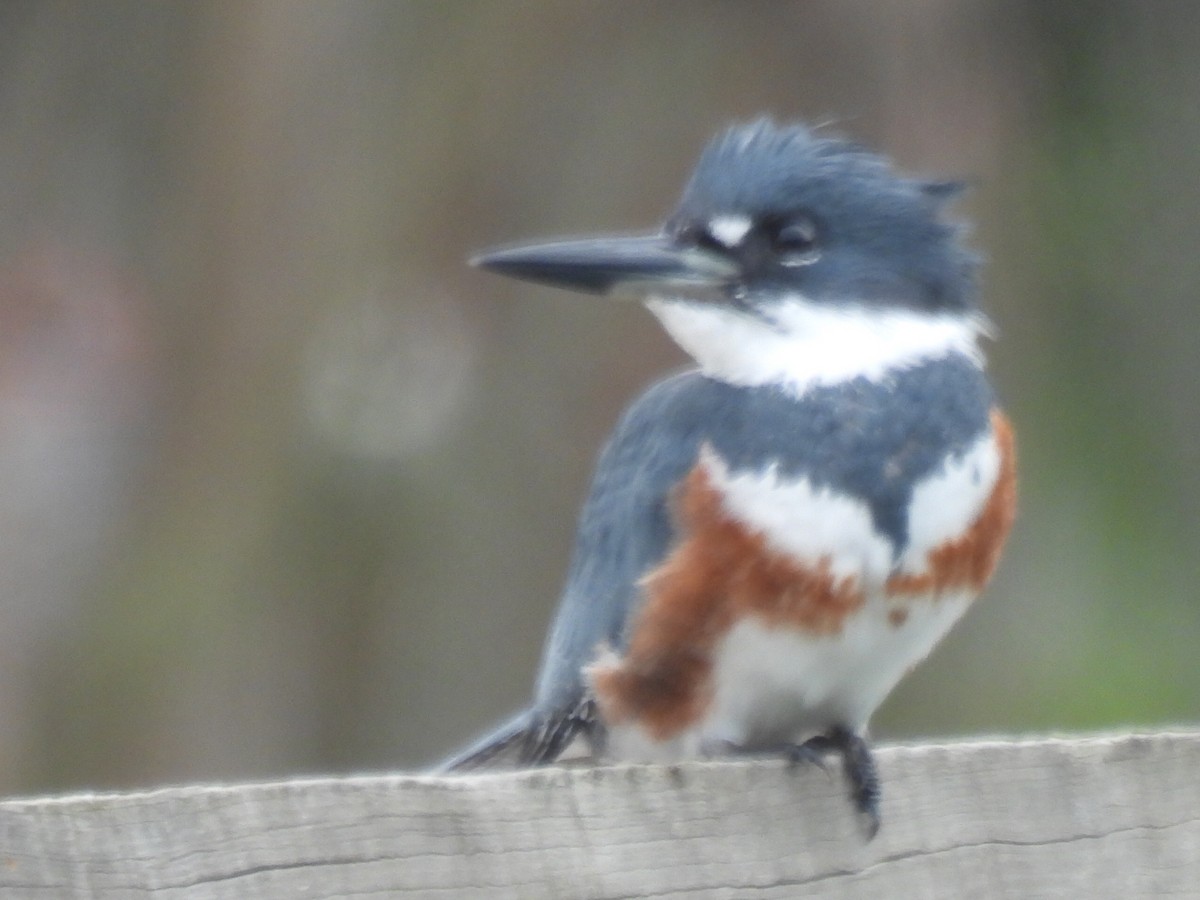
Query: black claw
(812, 751)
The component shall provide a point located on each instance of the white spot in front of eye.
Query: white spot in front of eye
(728, 231)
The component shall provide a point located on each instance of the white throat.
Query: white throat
(807, 345)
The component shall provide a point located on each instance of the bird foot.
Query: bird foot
(811, 751)
(858, 766)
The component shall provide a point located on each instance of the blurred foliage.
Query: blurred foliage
(287, 487)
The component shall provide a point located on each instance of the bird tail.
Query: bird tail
(503, 748)
(529, 738)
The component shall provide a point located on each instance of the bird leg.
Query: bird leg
(858, 765)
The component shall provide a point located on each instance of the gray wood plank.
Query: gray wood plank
(1115, 816)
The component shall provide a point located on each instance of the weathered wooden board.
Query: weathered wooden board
(1090, 817)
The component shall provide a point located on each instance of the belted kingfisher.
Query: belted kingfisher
(776, 536)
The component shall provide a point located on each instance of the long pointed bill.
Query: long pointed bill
(634, 266)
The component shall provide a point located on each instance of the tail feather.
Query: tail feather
(501, 748)
(527, 739)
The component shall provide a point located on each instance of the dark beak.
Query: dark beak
(636, 266)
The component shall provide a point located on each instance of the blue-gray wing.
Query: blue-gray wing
(624, 531)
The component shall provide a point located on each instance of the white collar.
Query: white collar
(802, 345)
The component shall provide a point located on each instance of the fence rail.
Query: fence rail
(1115, 816)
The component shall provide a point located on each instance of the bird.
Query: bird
(775, 536)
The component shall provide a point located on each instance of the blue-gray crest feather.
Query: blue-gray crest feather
(886, 236)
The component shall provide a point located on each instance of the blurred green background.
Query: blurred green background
(285, 487)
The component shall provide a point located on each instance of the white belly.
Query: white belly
(776, 685)
(773, 685)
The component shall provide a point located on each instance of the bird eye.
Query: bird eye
(795, 243)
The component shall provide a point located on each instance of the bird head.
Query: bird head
(781, 238)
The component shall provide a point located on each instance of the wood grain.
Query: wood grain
(1115, 816)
